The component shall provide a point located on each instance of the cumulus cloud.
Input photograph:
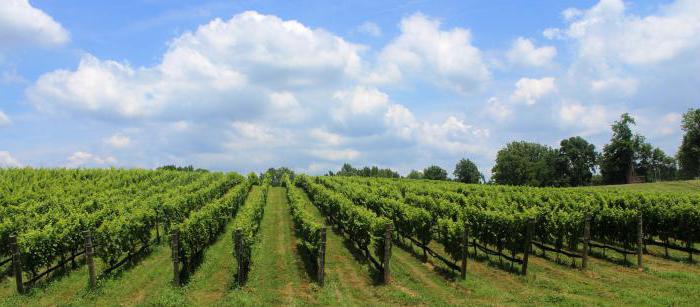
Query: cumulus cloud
(118, 141)
(523, 52)
(586, 119)
(424, 50)
(238, 73)
(498, 110)
(530, 90)
(82, 158)
(21, 23)
(607, 32)
(370, 28)
(624, 86)
(4, 119)
(7, 160)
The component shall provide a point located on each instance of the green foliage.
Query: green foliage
(414, 174)
(576, 161)
(523, 163)
(689, 151)
(247, 222)
(434, 172)
(618, 155)
(348, 170)
(307, 228)
(467, 172)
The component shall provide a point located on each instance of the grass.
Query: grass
(278, 277)
(666, 186)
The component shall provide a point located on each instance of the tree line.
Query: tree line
(628, 157)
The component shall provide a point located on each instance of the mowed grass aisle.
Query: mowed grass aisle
(277, 275)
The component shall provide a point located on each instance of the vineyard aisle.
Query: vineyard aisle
(277, 276)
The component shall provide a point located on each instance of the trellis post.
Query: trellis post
(175, 245)
(92, 278)
(640, 241)
(586, 241)
(238, 252)
(387, 254)
(465, 246)
(528, 245)
(17, 264)
(321, 256)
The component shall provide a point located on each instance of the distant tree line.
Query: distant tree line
(575, 162)
(188, 168)
(374, 171)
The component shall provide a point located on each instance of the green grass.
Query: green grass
(666, 186)
(278, 277)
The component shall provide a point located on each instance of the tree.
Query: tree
(414, 174)
(619, 155)
(689, 152)
(524, 163)
(434, 172)
(467, 172)
(577, 161)
(374, 171)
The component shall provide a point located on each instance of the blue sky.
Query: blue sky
(246, 85)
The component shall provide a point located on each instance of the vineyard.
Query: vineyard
(168, 237)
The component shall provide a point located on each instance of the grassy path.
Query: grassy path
(277, 276)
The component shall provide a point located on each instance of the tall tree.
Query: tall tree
(524, 163)
(434, 172)
(619, 155)
(577, 161)
(414, 174)
(689, 152)
(467, 172)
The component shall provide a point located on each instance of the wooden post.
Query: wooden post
(527, 246)
(387, 254)
(321, 256)
(640, 241)
(586, 241)
(175, 245)
(238, 251)
(157, 228)
(689, 245)
(17, 264)
(92, 281)
(465, 246)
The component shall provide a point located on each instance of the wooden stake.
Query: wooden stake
(640, 241)
(586, 241)
(465, 241)
(387, 254)
(527, 246)
(321, 256)
(92, 278)
(175, 245)
(689, 245)
(238, 251)
(17, 264)
(157, 228)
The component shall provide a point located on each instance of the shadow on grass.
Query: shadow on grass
(438, 267)
(361, 257)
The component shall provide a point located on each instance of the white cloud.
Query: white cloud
(238, 73)
(587, 119)
(498, 110)
(118, 141)
(325, 137)
(20, 23)
(360, 102)
(623, 86)
(606, 32)
(424, 51)
(370, 28)
(4, 119)
(530, 90)
(6, 160)
(523, 52)
(670, 123)
(335, 155)
(82, 158)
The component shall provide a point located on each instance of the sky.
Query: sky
(247, 85)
